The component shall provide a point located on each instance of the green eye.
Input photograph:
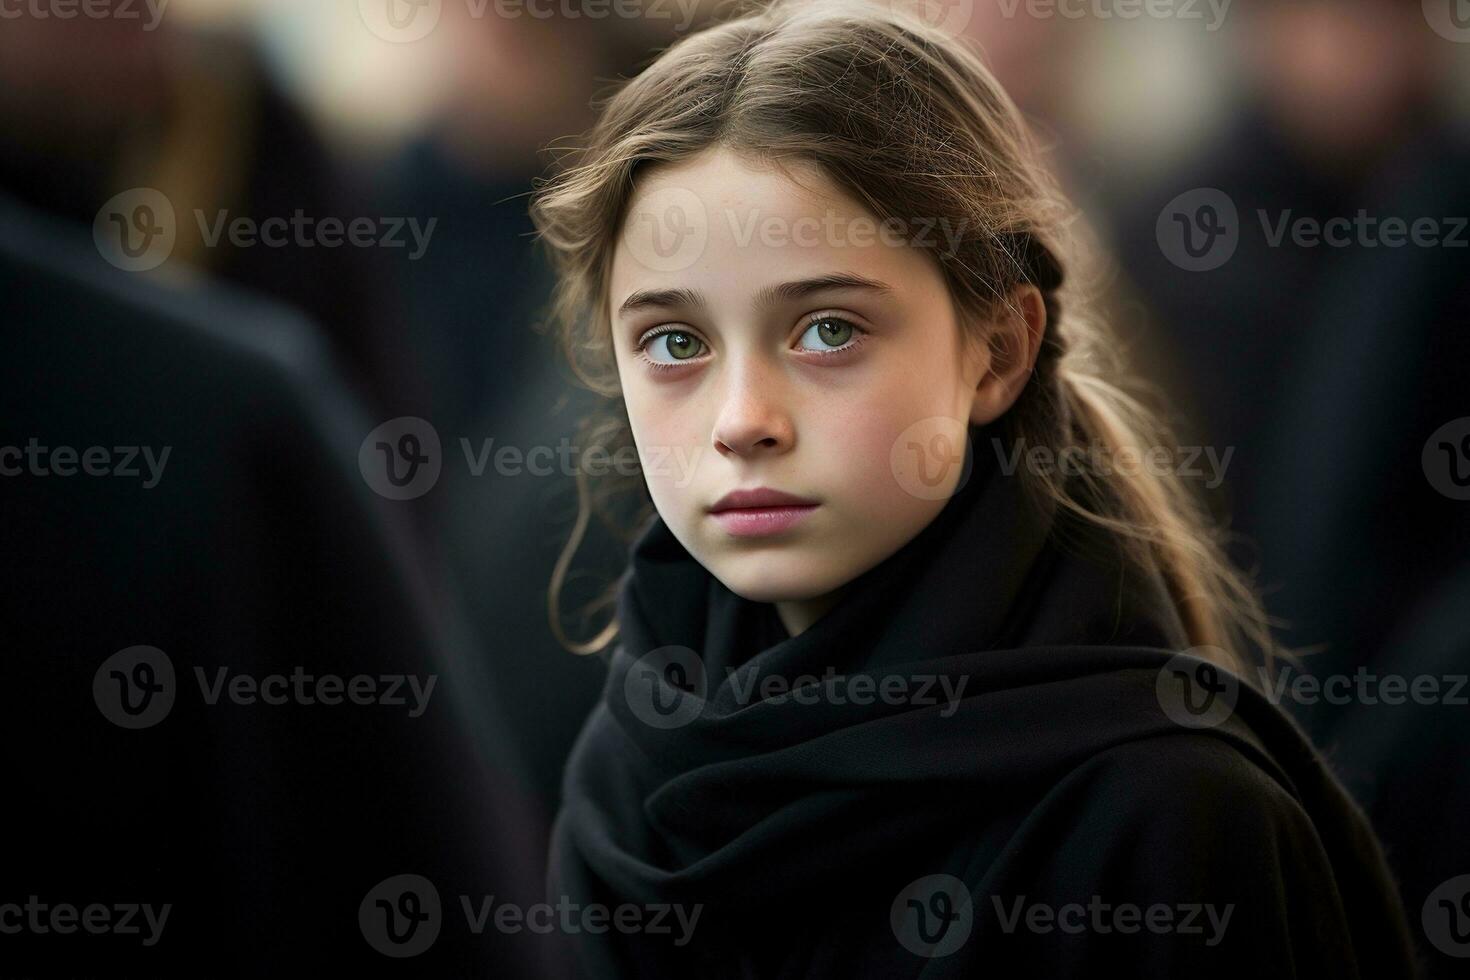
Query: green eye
(680, 346)
(830, 332)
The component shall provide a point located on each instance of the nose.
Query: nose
(753, 418)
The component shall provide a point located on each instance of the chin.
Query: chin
(771, 577)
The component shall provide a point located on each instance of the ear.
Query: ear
(1008, 354)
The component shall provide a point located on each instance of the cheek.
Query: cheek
(868, 446)
(641, 402)
(671, 443)
(874, 494)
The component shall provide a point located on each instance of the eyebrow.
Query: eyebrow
(771, 295)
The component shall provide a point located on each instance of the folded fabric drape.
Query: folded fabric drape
(988, 758)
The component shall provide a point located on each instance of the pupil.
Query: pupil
(829, 328)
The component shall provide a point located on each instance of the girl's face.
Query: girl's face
(776, 335)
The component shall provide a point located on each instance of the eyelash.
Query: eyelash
(859, 335)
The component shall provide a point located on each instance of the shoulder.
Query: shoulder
(191, 331)
(1172, 855)
(1186, 769)
(1182, 817)
(1190, 804)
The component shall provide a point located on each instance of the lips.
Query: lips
(760, 498)
(748, 522)
(760, 512)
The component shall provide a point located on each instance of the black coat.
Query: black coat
(1046, 790)
(256, 548)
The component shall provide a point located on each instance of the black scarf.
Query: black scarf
(1038, 773)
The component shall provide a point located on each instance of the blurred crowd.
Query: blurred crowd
(1202, 149)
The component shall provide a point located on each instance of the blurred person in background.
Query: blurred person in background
(519, 89)
(95, 106)
(221, 123)
(1325, 363)
(232, 694)
(1036, 59)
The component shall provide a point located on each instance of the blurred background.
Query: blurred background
(1202, 142)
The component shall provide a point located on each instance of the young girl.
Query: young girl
(928, 663)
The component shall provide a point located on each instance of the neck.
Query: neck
(798, 614)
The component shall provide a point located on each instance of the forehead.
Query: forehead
(725, 178)
(727, 224)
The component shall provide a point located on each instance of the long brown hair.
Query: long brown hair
(910, 122)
